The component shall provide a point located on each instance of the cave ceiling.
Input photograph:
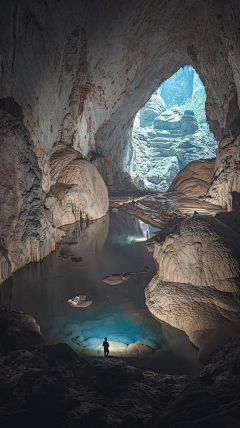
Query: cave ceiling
(76, 73)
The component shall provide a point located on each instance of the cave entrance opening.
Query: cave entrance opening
(170, 131)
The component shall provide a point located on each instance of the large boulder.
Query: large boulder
(194, 179)
(77, 191)
(197, 288)
(153, 108)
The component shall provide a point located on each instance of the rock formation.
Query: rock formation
(194, 180)
(152, 109)
(77, 191)
(164, 144)
(73, 77)
(80, 301)
(178, 88)
(197, 287)
(225, 186)
(26, 234)
(18, 331)
(81, 84)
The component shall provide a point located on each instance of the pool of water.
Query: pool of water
(113, 244)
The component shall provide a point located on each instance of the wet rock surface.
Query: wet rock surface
(26, 233)
(197, 285)
(80, 301)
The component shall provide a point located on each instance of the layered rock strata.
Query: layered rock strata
(197, 287)
(194, 180)
(26, 234)
(166, 145)
(78, 191)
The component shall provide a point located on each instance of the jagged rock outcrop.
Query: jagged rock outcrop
(194, 179)
(197, 288)
(26, 234)
(77, 191)
(225, 186)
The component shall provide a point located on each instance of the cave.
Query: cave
(88, 247)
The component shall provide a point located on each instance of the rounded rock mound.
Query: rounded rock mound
(197, 288)
(77, 189)
(194, 179)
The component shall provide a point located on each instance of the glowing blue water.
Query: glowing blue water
(118, 312)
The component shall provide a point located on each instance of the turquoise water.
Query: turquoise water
(107, 246)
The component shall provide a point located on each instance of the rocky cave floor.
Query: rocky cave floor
(52, 386)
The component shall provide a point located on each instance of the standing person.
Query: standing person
(147, 234)
(106, 346)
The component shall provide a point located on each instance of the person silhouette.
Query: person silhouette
(106, 346)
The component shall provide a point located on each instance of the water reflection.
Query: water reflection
(43, 290)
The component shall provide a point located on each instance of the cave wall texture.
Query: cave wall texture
(74, 74)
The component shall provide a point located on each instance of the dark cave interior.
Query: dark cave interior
(74, 76)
